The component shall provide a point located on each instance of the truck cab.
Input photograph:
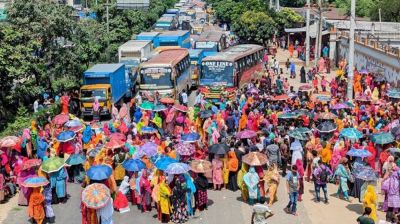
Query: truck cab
(90, 92)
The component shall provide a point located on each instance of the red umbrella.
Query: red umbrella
(114, 144)
(9, 141)
(180, 107)
(118, 136)
(167, 100)
(246, 134)
(281, 97)
(31, 163)
(60, 119)
(306, 87)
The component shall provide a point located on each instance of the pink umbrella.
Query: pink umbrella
(60, 119)
(339, 106)
(305, 87)
(179, 107)
(9, 141)
(246, 134)
(363, 98)
(118, 136)
(114, 143)
(185, 149)
(282, 97)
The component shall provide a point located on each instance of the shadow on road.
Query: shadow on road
(357, 208)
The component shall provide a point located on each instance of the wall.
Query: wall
(374, 57)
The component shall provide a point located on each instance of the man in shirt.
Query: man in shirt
(322, 174)
(365, 219)
(36, 106)
(292, 188)
(184, 97)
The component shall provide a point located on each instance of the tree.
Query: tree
(390, 10)
(363, 7)
(255, 27)
(288, 18)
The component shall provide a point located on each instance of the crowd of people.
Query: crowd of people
(164, 155)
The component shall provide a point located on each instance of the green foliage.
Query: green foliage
(255, 27)
(292, 3)
(363, 7)
(288, 18)
(390, 10)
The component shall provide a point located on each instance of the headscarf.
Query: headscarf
(96, 104)
(300, 169)
(251, 178)
(189, 183)
(233, 162)
(124, 187)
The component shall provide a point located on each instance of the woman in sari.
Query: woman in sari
(241, 184)
(272, 179)
(343, 175)
(251, 180)
(121, 201)
(300, 171)
(89, 215)
(50, 217)
(35, 207)
(371, 200)
(393, 193)
(24, 192)
(388, 166)
(179, 203)
(201, 196)
(145, 192)
(233, 166)
(191, 190)
(217, 177)
(165, 204)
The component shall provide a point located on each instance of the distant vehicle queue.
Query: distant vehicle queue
(180, 52)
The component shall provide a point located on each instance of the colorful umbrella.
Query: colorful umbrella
(326, 127)
(35, 182)
(246, 134)
(60, 119)
(394, 150)
(9, 141)
(118, 136)
(146, 105)
(167, 100)
(149, 148)
(306, 87)
(75, 159)
(288, 116)
(394, 95)
(363, 98)
(96, 196)
(205, 114)
(327, 116)
(297, 135)
(253, 90)
(177, 168)
(219, 149)
(339, 106)
(185, 149)
(351, 133)
(99, 172)
(323, 98)
(282, 97)
(65, 136)
(367, 174)
(31, 163)
(363, 71)
(301, 112)
(191, 137)
(179, 107)
(382, 138)
(73, 123)
(95, 151)
(114, 143)
(148, 130)
(163, 161)
(133, 165)
(159, 107)
(255, 159)
(358, 153)
(303, 130)
(201, 166)
(53, 164)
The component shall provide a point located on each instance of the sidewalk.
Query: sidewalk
(11, 204)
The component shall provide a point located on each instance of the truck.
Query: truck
(173, 38)
(147, 36)
(166, 23)
(131, 54)
(107, 83)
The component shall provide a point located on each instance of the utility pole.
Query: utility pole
(350, 74)
(277, 5)
(308, 34)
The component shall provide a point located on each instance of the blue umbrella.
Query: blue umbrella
(95, 151)
(73, 123)
(163, 161)
(351, 133)
(159, 107)
(148, 130)
(323, 98)
(133, 165)
(382, 138)
(191, 137)
(35, 182)
(99, 172)
(358, 153)
(75, 159)
(367, 174)
(177, 168)
(65, 136)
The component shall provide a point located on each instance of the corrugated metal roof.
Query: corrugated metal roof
(173, 33)
(235, 52)
(167, 57)
(150, 34)
(134, 44)
(105, 68)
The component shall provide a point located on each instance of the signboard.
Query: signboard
(205, 45)
(217, 73)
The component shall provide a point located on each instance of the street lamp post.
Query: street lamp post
(350, 73)
(308, 34)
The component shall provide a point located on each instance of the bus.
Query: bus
(166, 23)
(168, 73)
(226, 71)
(196, 56)
(173, 38)
(211, 41)
(147, 36)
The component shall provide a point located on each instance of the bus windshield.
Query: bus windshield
(208, 45)
(91, 93)
(156, 78)
(217, 73)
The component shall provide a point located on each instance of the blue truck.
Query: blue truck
(173, 38)
(147, 36)
(107, 83)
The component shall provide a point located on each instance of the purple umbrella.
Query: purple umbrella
(185, 149)
(246, 134)
(177, 168)
(364, 71)
(339, 106)
(253, 90)
(150, 149)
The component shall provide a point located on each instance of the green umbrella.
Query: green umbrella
(303, 130)
(53, 164)
(288, 116)
(297, 135)
(382, 138)
(146, 105)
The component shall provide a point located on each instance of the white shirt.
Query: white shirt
(138, 99)
(184, 97)
(35, 106)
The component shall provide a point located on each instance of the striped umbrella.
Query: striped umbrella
(96, 196)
